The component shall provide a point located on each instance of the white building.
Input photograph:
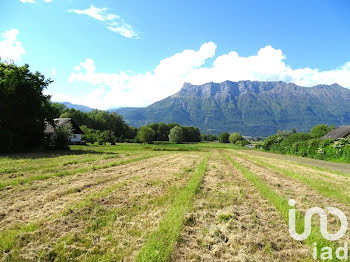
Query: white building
(77, 132)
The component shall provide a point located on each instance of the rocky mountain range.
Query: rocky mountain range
(252, 108)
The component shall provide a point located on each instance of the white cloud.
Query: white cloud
(126, 89)
(53, 71)
(10, 48)
(112, 22)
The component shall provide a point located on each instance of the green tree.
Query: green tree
(146, 134)
(163, 132)
(319, 131)
(62, 136)
(191, 134)
(176, 135)
(23, 106)
(235, 137)
(224, 137)
(58, 109)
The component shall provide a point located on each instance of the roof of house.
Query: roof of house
(340, 132)
(49, 129)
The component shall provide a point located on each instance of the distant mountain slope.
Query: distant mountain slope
(84, 109)
(252, 108)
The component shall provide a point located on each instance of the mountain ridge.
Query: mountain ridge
(257, 108)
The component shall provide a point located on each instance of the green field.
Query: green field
(163, 202)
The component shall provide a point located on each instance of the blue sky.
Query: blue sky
(107, 54)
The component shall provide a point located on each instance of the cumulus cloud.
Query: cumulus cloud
(127, 89)
(112, 22)
(10, 48)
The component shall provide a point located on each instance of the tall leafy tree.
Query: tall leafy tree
(23, 107)
(176, 134)
(146, 134)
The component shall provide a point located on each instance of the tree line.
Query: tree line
(25, 111)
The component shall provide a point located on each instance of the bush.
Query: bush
(209, 137)
(176, 135)
(242, 142)
(319, 131)
(286, 145)
(62, 136)
(224, 137)
(235, 137)
(272, 140)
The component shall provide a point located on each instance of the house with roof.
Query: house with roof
(338, 133)
(76, 131)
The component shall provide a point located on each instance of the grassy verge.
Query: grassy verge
(280, 202)
(323, 187)
(162, 241)
(26, 180)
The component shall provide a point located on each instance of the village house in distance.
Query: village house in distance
(76, 131)
(338, 133)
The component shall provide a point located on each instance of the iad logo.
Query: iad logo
(326, 252)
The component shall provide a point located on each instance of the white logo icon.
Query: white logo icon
(323, 222)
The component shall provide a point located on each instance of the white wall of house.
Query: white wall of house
(75, 138)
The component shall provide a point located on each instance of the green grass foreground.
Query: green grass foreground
(162, 241)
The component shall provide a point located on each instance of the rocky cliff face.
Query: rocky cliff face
(250, 107)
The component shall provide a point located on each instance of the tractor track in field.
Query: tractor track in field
(231, 221)
(304, 195)
(141, 183)
(47, 197)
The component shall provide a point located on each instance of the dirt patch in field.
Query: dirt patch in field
(305, 196)
(230, 221)
(342, 167)
(44, 198)
(116, 224)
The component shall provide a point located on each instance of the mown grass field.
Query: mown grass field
(193, 202)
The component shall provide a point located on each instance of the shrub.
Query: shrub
(242, 142)
(62, 136)
(224, 137)
(319, 131)
(272, 140)
(235, 137)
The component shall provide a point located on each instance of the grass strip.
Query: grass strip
(323, 187)
(162, 241)
(280, 202)
(22, 181)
